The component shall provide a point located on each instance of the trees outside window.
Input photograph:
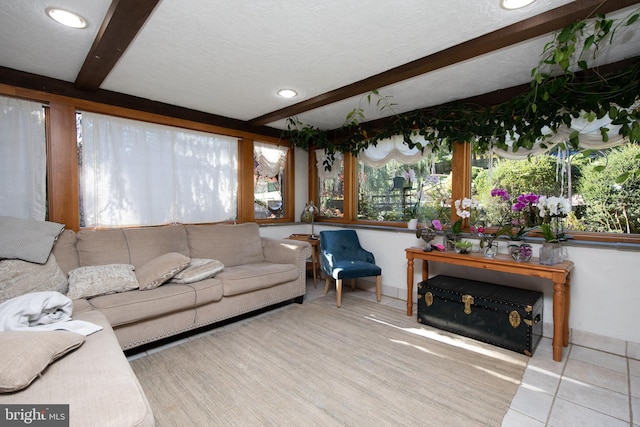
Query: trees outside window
(602, 201)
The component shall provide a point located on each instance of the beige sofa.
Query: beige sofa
(96, 379)
(258, 272)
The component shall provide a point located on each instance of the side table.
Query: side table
(314, 241)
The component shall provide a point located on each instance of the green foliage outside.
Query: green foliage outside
(602, 202)
(612, 206)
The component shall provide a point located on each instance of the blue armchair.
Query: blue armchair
(342, 257)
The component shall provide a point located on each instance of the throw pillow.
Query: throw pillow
(160, 269)
(91, 281)
(199, 269)
(27, 239)
(19, 277)
(25, 354)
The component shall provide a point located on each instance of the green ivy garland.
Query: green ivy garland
(557, 94)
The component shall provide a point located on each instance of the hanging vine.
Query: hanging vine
(556, 95)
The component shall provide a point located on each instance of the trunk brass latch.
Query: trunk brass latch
(467, 300)
(428, 298)
(514, 319)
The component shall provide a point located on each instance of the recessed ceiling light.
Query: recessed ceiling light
(515, 4)
(67, 18)
(287, 93)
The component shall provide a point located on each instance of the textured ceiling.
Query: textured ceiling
(229, 58)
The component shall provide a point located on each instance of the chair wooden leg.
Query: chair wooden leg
(338, 292)
(378, 287)
(353, 284)
(326, 284)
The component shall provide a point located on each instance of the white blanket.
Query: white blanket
(42, 311)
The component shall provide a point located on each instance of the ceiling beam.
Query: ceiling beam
(123, 21)
(535, 26)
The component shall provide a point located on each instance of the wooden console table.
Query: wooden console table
(559, 274)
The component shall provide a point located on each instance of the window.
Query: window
(602, 201)
(331, 185)
(22, 159)
(396, 183)
(138, 173)
(269, 180)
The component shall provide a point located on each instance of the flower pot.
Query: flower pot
(552, 253)
(521, 252)
(412, 224)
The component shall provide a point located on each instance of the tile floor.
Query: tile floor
(588, 388)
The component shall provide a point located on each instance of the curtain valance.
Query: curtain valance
(394, 148)
(271, 159)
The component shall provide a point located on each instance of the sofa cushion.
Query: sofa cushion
(66, 252)
(101, 247)
(19, 277)
(148, 243)
(198, 269)
(250, 277)
(25, 354)
(86, 282)
(96, 381)
(231, 244)
(160, 269)
(129, 307)
(27, 239)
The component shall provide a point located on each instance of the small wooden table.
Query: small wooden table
(314, 241)
(559, 274)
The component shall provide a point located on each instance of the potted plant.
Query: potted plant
(553, 210)
(463, 246)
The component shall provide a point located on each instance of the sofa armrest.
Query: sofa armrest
(285, 251)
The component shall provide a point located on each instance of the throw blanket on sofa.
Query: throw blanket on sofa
(42, 311)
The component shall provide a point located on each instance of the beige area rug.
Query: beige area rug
(365, 364)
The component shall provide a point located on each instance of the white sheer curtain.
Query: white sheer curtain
(394, 148)
(336, 170)
(588, 134)
(138, 173)
(271, 159)
(23, 151)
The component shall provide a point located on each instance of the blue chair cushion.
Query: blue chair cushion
(354, 269)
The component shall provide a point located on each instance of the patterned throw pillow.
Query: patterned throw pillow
(199, 269)
(19, 277)
(91, 281)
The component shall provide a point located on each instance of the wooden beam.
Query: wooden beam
(123, 21)
(535, 26)
(39, 83)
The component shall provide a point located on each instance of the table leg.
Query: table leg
(409, 286)
(558, 319)
(313, 265)
(567, 305)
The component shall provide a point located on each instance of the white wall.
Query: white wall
(605, 283)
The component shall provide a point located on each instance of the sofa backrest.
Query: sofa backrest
(232, 244)
(65, 251)
(135, 246)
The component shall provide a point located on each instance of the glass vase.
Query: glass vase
(520, 252)
(552, 253)
(451, 239)
(491, 250)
